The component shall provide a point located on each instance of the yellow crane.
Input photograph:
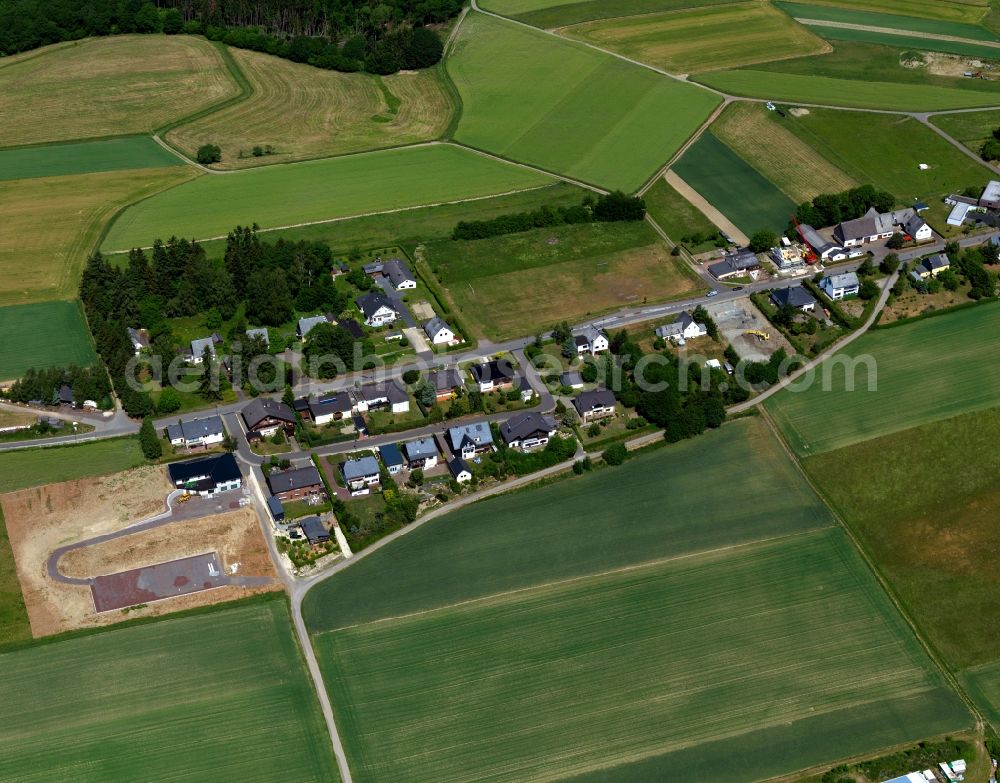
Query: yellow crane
(758, 334)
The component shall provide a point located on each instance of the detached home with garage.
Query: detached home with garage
(263, 417)
(840, 286)
(206, 476)
(594, 405)
(446, 382)
(199, 346)
(932, 266)
(296, 483)
(376, 309)
(330, 408)
(376, 396)
(392, 458)
(438, 332)
(591, 340)
(495, 375)
(197, 433)
(794, 296)
(468, 440)
(460, 470)
(526, 431)
(684, 327)
(360, 474)
(422, 453)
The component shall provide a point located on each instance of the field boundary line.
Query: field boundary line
(946, 672)
(448, 83)
(710, 211)
(543, 586)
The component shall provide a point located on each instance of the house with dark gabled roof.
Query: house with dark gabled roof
(497, 374)
(296, 483)
(445, 382)
(794, 296)
(382, 394)
(526, 431)
(314, 530)
(682, 328)
(460, 470)
(596, 404)
(932, 266)
(392, 458)
(194, 433)
(376, 309)
(399, 274)
(330, 407)
(263, 417)
(206, 476)
(307, 324)
(438, 332)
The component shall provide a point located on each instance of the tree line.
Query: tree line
(609, 208)
(87, 383)
(828, 209)
(345, 35)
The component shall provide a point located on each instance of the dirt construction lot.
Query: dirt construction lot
(41, 519)
(739, 316)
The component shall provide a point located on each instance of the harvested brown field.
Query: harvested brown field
(41, 519)
(307, 112)
(110, 87)
(791, 164)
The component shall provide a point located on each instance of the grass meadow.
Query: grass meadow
(558, 13)
(971, 128)
(857, 93)
(14, 626)
(84, 157)
(317, 190)
(52, 224)
(703, 39)
(924, 502)
(24, 468)
(655, 630)
(983, 685)
(47, 334)
(889, 158)
(967, 49)
(522, 283)
(968, 12)
(220, 695)
(924, 371)
(890, 20)
(307, 112)
(413, 226)
(733, 186)
(760, 137)
(568, 108)
(110, 86)
(678, 216)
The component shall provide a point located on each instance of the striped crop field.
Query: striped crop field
(888, 21)
(670, 627)
(222, 695)
(894, 378)
(968, 12)
(557, 13)
(85, 157)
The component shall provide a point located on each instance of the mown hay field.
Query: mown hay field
(320, 190)
(922, 371)
(733, 186)
(889, 21)
(621, 668)
(46, 334)
(969, 12)
(307, 112)
(557, 13)
(568, 108)
(51, 225)
(34, 467)
(760, 138)
(110, 87)
(85, 157)
(703, 39)
(221, 695)
(924, 502)
(859, 93)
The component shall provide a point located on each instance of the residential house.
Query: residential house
(870, 227)
(438, 332)
(794, 296)
(196, 433)
(446, 382)
(263, 417)
(206, 476)
(276, 509)
(596, 404)
(571, 379)
(139, 339)
(64, 395)
(526, 431)
(331, 407)
(383, 394)
(932, 266)
(260, 333)
(376, 309)
(199, 346)
(460, 470)
(527, 392)
(392, 458)
(494, 375)
(399, 274)
(840, 286)
(309, 323)
(352, 327)
(917, 229)
(360, 474)
(468, 440)
(314, 530)
(824, 249)
(684, 327)
(735, 264)
(295, 483)
(591, 340)
(422, 453)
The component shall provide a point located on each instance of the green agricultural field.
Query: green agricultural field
(467, 555)
(219, 695)
(733, 186)
(924, 503)
(84, 157)
(527, 282)
(14, 626)
(971, 128)
(969, 12)
(416, 225)
(52, 224)
(110, 86)
(641, 668)
(566, 107)
(557, 13)
(302, 192)
(50, 334)
(33, 467)
(703, 39)
(891, 21)
(983, 685)
(844, 92)
(679, 217)
(967, 49)
(923, 371)
(889, 158)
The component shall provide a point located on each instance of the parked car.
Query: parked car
(712, 293)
